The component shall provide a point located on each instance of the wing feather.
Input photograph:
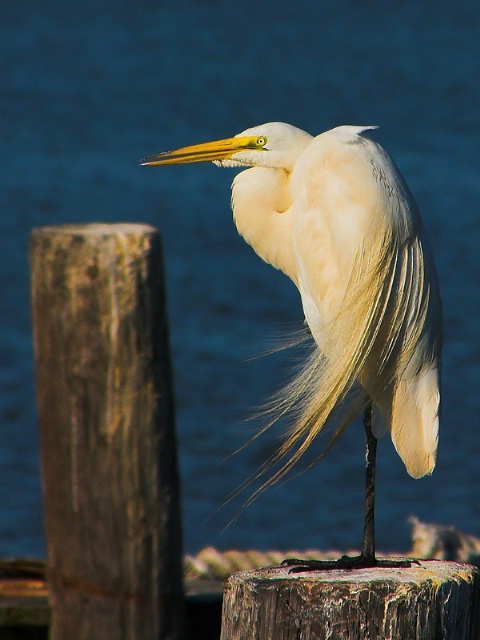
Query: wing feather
(371, 299)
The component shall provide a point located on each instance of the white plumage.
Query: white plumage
(335, 215)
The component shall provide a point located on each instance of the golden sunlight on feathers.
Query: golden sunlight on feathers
(335, 215)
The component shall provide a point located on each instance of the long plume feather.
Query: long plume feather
(371, 340)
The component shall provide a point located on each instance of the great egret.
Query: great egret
(335, 215)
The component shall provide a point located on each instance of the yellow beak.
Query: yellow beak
(206, 152)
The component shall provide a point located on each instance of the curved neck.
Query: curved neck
(261, 210)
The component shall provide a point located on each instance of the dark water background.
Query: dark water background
(87, 91)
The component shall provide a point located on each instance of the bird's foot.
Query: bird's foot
(347, 563)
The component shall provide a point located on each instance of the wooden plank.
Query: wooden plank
(109, 466)
(430, 600)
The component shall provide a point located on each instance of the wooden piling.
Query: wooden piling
(428, 601)
(104, 393)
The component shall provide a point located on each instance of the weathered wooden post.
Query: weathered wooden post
(431, 600)
(112, 513)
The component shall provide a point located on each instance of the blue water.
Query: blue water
(85, 93)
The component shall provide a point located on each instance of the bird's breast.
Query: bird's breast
(261, 204)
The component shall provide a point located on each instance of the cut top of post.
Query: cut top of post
(434, 571)
(97, 229)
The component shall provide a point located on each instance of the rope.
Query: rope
(211, 564)
(430, 541)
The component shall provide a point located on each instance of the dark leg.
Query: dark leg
(368, 546)
(367, 557)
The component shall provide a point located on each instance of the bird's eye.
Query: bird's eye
(261, 141)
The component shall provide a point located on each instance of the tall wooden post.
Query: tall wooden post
(104, 391)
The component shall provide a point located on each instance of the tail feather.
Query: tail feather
(415, 418)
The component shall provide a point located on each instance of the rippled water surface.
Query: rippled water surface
(85, 93)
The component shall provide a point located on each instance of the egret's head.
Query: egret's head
(274, 144)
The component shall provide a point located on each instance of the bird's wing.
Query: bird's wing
(370, 296)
